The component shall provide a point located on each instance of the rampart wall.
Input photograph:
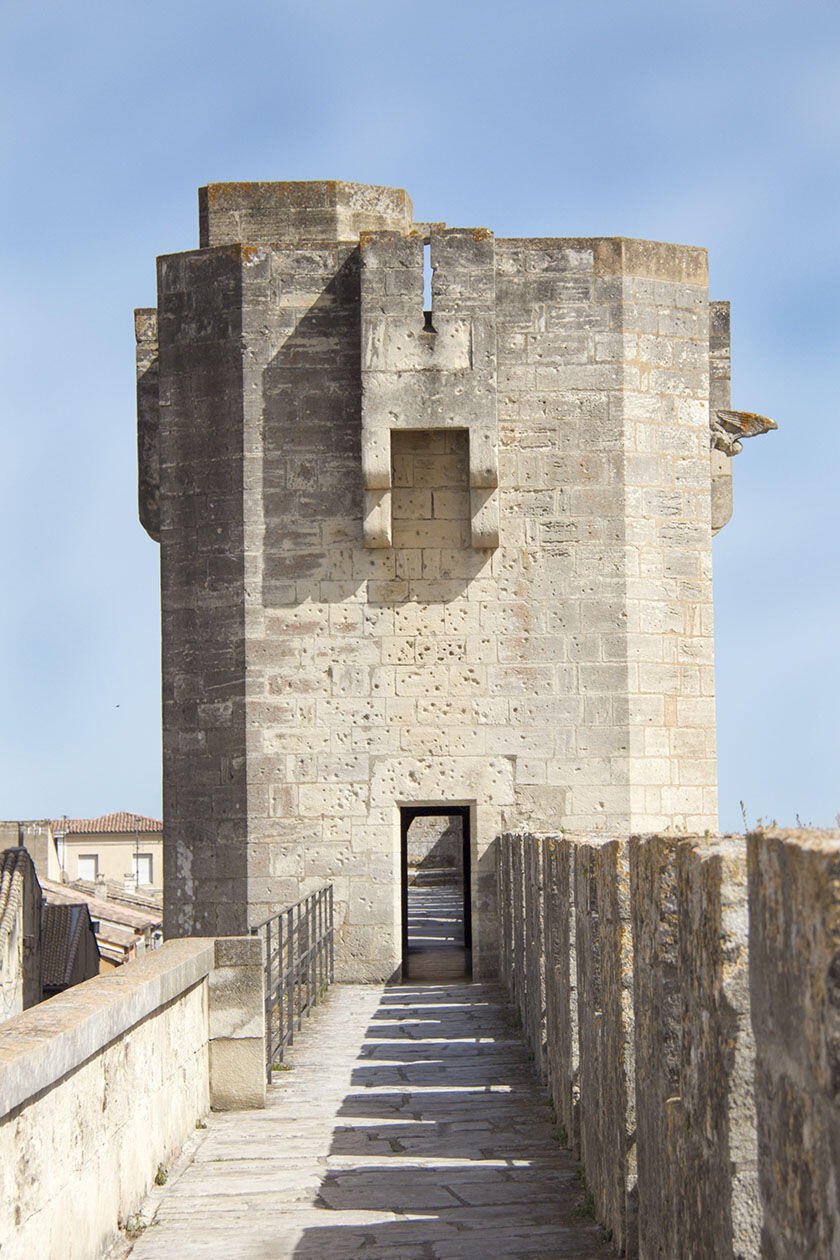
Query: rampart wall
(106, 1081)
(682, 997)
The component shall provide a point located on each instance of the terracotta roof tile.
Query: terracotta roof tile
(116, 823)
(62, 927)
(138, 920)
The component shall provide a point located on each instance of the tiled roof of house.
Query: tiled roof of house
(12, 874)
(107, 823)
(62, 928)
(111, 911)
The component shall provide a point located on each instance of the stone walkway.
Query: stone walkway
(411, 1126)
(436, 933)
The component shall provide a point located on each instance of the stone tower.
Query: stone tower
(456, 557)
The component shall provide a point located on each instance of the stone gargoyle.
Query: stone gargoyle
(728, 427)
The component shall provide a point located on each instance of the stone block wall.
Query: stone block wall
(562, 1049)
(458, 560)
(703, 1094)
(436, 842)
(717, 1193)
(20, 933)
(605, 1031)
(794, 897)
(656, 1004)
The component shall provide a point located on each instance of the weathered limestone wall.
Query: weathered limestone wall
(464, 562)
(561, 987)
(436, 841)
(794, 897)
(20, 933)
(703, 1096)
(717, 1192)
(104, 1082)
(605, 1030)
(657, 1037)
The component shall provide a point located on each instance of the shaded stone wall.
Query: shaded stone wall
(605, 1031)
(103, 1083)
(693, 1062)
(436, 841)
(794, 892)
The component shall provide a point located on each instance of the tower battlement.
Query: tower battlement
(298, 212)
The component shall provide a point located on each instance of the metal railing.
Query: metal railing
(299, 966)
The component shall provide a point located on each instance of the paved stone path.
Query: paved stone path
(436, 933)
(411, 1126)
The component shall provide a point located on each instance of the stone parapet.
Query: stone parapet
(706, 1030)
(237, 1025)
(605, 1032)
(716, 1200)
(298, 211)
(114, 1074)
(656, 1001)
(56, 1037)
(794, 904)
(562, 1049)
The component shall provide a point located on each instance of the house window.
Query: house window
(88, 866)
(143, 868)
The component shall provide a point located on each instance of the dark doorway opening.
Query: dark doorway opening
(436, 913)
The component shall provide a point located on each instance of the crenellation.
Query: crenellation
(690, 1041)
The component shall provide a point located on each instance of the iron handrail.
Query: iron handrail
(298, 969)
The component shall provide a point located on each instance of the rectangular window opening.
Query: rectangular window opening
(88, 866)
(427, 288)
(142, 868)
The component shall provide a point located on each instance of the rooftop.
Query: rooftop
(106, 824)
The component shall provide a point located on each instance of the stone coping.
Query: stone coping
(44, 1043)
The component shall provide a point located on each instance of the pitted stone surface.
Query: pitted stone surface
(410, 1126)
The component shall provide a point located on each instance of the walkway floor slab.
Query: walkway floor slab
(411, 1125)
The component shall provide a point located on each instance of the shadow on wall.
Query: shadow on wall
(436, 842)
(312, 495)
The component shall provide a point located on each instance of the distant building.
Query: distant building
(37, 838)
(122, 847)
(122, 932)
(54, 935)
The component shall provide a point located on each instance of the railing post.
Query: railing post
(309, 946)
(291, 973)
(331, 932)
(268, 999)
(298, 967)
(282, 950)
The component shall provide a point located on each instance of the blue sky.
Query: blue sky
(709, 123)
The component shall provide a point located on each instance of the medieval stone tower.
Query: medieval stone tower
(459, 557)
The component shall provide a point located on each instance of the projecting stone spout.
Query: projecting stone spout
(729, 427)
